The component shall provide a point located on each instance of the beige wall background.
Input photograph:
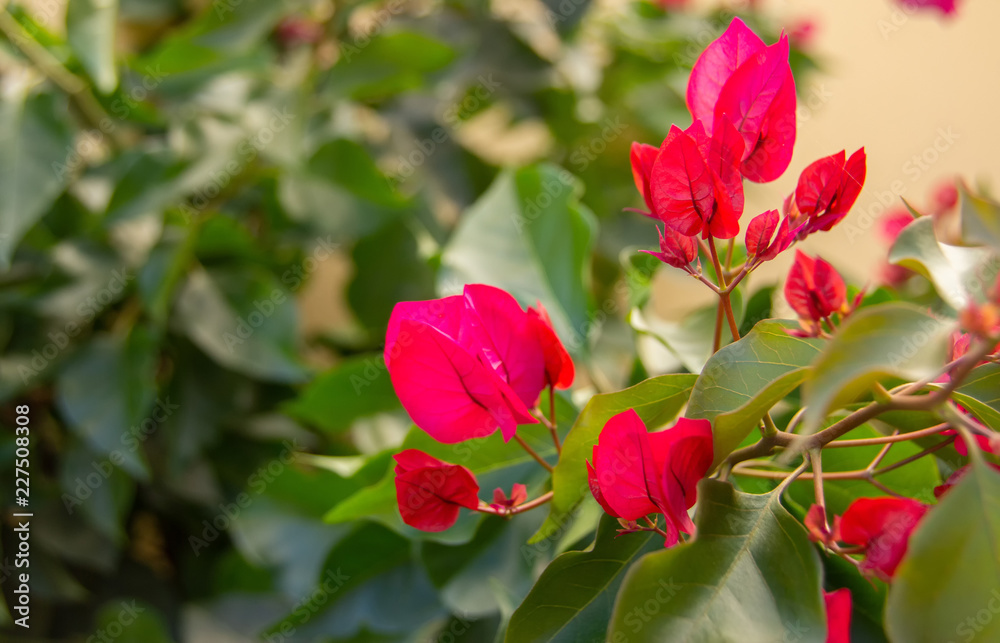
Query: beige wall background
(918, 91)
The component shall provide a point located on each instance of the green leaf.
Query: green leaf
(751, 575)
(572, 599)
(657, 401)
(980, 219)
(959, 274)
(496, 556)
(350, 165)
(356, 388)
(947, 586)
(244, 321)
(981, 394)
(529, 235)
(35, 146)
(895, 339)
(389, 269)
(741, 382)
(106, 392)
(90, 31)
(387, 64)
(145, 624)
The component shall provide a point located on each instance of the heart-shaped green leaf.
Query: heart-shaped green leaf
(894, 339)
(751, 575)
(741, 382)
(948, 586)
(572, 599)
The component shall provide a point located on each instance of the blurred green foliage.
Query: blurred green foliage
(181, 182)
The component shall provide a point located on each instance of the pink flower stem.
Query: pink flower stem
(532, 452)
(816, 459)
(510, 511)
(724, 301)
(653, 527)
(888, 439)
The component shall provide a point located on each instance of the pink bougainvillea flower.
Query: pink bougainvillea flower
(676, 249)
(695, 183)
(642, 158)
(838, 615)
(802, 33)
(889, 228)
(946, 7)
(944, 198)
(883, 527)
(828, 188)
(983, 442)
(635, 473)
(740, 78)
(814, 289)
(716, 65)
(559, 370)
(819, 530)
(760, 231)
(466, 365)
(759, 98)
(518, 494)
(430, 492)
(955, 478)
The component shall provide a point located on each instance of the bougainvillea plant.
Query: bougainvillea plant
(816, 480)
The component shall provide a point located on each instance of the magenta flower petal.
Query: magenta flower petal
(759, 99)
(838, 616)
(430, 492)
(624, 469)
(716, 65)
(448, 392)
(495, 323)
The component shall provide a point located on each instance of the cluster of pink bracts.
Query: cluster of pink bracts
(467, 365)
(741, 95)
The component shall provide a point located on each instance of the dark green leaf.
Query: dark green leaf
(528, 235)
(981, 394)
(356, 388)
(248, 327)
(948, 586)
(90, 31)
(895, 339)
(106, 393)
(750, 576)
(741, 382)
(36, 147)
(571, 602)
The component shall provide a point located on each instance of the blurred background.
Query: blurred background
(208, 209)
